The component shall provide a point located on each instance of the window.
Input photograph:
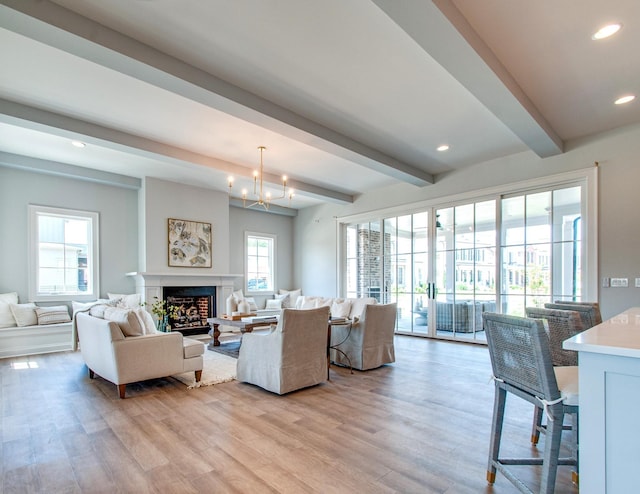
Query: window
(64, 252)
(260, 262)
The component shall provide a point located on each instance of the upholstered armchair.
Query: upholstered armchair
(291, 356)
(366, 343)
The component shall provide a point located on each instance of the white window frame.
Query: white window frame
(274, 244)
(586, 177)
(92, 257)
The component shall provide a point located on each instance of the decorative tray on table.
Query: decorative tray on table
(236, 317)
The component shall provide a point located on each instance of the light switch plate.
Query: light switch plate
(637, 282)
(619, 282)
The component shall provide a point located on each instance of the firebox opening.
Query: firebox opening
(193, 306)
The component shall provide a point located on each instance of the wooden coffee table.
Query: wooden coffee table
(245, 327)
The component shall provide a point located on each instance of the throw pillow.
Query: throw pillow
(293, 297)
(273, 304)
(53, 315)
(341, 309)
(126, 319)
(97, 310)
(309, 303)
(81, 306)
(132, 301)
(284, 300)
(252, 304)
(24, 314)
(146, 320)
(6, 317)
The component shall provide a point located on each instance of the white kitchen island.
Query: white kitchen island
(609, 434)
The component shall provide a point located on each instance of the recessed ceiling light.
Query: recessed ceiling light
(78, 144)
(444, 147)
(624, 99)
(606, 31)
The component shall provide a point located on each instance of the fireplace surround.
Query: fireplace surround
(217, 287)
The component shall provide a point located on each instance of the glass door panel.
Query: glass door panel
(465, 269)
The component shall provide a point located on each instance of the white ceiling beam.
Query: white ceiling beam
(55, 168)
(444, 34)
(72, 128)
(58, 27)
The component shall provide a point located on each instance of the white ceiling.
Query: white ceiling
(347, 96)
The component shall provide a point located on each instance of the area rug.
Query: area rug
(217, 368)
(229, 348)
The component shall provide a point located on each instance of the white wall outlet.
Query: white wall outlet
(637, 282)
(619, 282)
(605, 282)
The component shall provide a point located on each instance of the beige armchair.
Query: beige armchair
(126, 359)
(292, 356)
(367, 343)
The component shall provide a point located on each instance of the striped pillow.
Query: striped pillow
(53, 315)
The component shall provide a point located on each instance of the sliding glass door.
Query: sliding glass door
(389, 260)
(445, 266)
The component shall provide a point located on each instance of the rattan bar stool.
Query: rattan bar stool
(589, 311)
(560, 325)
(522, 365)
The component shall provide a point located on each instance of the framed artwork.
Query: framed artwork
(189, 244)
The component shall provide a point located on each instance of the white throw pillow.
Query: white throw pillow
(24, 314)
(283, 299)
(125, 318)
(146, 320)
(273, 304)
(53, 315)
(309, 303)
(131, 301)
(252, 304)
(97, 310)
(81, 306)
(292, 298)
(341, 309)
(6, 317)
(324, 302)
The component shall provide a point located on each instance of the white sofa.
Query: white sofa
(126, 359)
(355, 305)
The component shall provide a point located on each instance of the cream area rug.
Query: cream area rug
(217, 369)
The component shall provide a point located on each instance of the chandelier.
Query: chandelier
(259, 197)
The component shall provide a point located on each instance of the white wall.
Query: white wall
(252, 220)
(315, 237)
(161, 200)
(117, 207)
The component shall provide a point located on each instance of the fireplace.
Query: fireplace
(199, 286)
(193, 305)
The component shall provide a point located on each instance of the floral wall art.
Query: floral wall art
(189, 244)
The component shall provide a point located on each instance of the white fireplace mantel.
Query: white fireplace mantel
(150, 285)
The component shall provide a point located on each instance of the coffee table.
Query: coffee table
(245, 327)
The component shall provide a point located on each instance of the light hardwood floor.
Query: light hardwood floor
(420, 425)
